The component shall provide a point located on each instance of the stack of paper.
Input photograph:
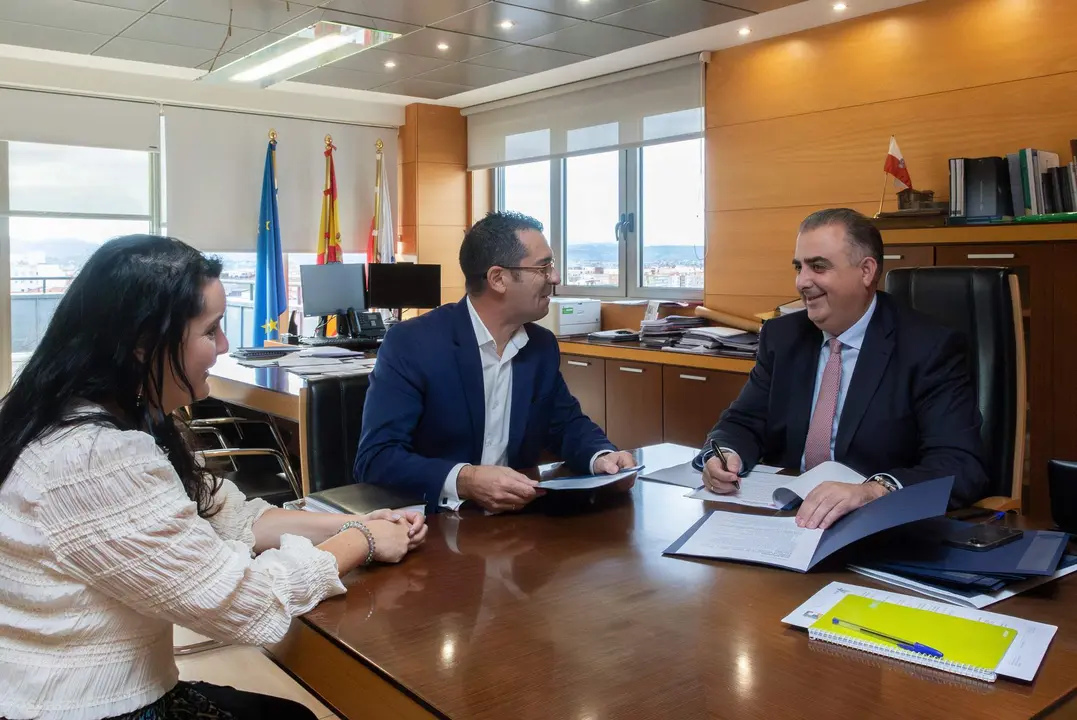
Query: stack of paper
(661, 332)
(716, 341)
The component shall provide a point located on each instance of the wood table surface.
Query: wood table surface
(575, 613)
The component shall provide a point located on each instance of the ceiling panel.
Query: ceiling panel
(527, 59)
(312, 16)
(460, 47)
(583, 9)
(339, 77)
(224, 59)
(190, 33)
(151, 52)
(675, 17)
(404, 66)
(594, 39)
(142, 5)
(416, 12)
(527, 24)
(254, 14)
(46, 38)
(759, 6)
(69, 15)
(422, 88)
(471, 75)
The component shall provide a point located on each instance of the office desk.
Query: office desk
(580, 616)
(270, 390)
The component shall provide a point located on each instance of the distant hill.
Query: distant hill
(606, 254)
(57, 250)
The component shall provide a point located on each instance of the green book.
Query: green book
(954, 644)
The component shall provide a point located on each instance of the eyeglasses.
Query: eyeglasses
(547, 270)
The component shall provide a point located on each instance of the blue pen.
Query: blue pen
(903, 644)
(994, 518)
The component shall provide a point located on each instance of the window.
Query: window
(624, 223)
(237, 277)
(63, 202)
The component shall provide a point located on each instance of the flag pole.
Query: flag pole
(883, 197)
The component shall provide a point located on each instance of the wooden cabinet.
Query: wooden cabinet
(586, 380)
(693, 399)
(1033, 265)
(1064, 364)
(633, 403)
(903, 256)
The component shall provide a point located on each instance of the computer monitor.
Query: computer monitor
(333, 288)
(394, 286)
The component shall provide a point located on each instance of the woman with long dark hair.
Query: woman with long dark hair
(111, 532)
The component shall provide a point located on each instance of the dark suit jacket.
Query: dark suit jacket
(425, 409)
(910, 410)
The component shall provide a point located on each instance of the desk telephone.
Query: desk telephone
(364, 324)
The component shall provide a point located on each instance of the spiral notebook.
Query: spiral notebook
(945, 642)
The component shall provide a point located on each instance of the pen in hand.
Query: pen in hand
(721, 458)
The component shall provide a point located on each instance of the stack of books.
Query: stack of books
(1028, 183)
(665, 331)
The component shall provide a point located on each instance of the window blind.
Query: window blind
(45, 117)
(636, 107)
(213, 175)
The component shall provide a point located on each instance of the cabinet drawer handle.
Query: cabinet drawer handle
(893, 257)
(579, 363)
(697, 378)
(631, 370)
(991, 256)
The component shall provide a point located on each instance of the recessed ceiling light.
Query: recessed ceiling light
(443, 46)
(584, 2)
(507, 24)
(840, 7)
(745, 31)
(390, 64)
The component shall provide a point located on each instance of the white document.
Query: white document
(587, 482)
(753, 538)
(762, 488)
(976, 601)
(684, 475)
(1021, 661)
(301, 360)
(757, 489)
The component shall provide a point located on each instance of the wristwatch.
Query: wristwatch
(886, 481)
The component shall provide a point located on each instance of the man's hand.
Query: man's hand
(721, 481)
(615, 462)
(495, 488)
(831, 500)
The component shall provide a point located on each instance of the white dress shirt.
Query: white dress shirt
(497, 389)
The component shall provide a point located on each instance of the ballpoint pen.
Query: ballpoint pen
(903, 644)
(721, 458)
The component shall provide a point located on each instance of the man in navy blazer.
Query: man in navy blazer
(855, 378)
(464, 394)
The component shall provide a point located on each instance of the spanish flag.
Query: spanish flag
(329, 228)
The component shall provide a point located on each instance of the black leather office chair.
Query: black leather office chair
(984, 303)
(334, 422)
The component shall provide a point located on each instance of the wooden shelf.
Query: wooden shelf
(625, 351)
(959, 234)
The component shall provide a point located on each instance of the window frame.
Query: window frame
(630, 255)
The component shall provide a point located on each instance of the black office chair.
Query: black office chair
(1062, 478)
(334, 411)
(984, 303)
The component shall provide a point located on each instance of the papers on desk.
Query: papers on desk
(760, 488)
(587, 482)
(777, 541)
(1021, 661)
(687, 476)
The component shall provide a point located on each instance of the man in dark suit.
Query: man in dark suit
(463, 394)
(855, 378)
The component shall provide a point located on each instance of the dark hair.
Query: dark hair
(860, 232)
(114, 334)
(493, 241)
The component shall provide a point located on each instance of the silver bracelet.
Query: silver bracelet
(366, 532)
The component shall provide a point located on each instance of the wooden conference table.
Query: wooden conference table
(580, 616)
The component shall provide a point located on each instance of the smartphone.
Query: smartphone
(984, 537)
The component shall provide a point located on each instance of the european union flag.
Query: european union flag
(270, 293)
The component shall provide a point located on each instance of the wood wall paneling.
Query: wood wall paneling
(440, 245)
(925, 48)
(1064, 424)
(441, 194)
(407, 234)
(442, 135)
(408, 136)
(480, 195)
(407, 173)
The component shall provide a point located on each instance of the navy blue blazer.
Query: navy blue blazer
(425, 410)
(910, 410)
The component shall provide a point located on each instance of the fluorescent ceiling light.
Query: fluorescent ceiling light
(310, 48)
